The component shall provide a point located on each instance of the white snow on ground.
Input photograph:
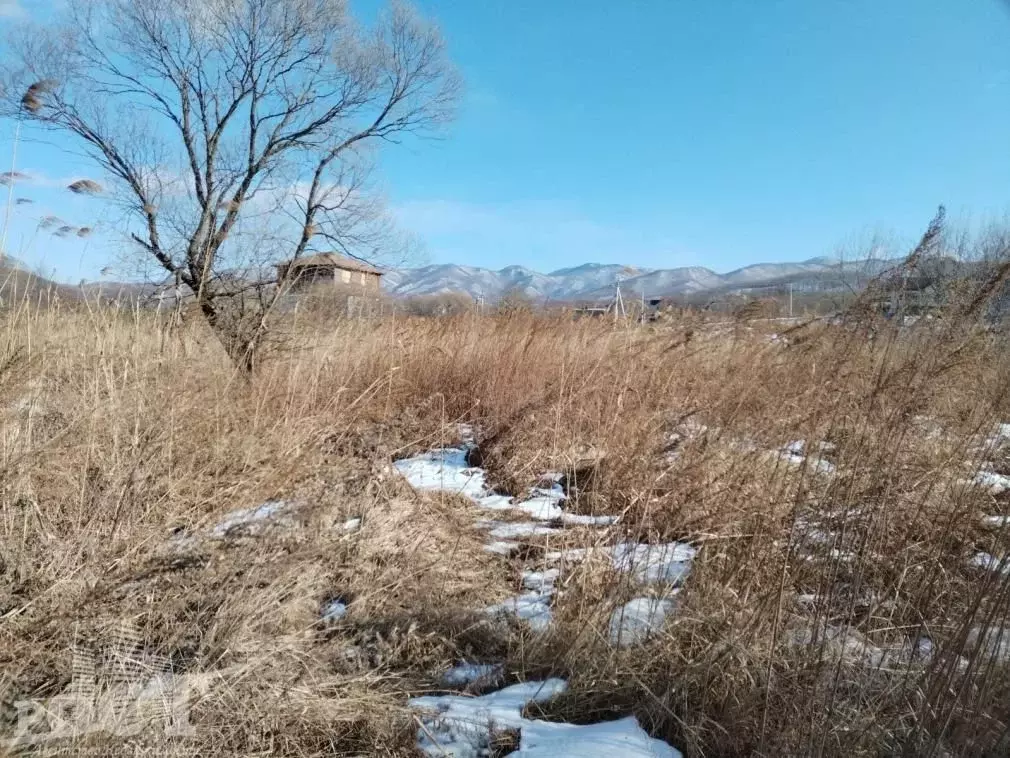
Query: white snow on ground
(637, 620)
(351, 525)
(445, 470)
(464, 727)
(843, 643)
(250, 520)
(502, 530)
(555, 489)
(996, 521)
(799, 447)
(989, 563)
(1000, 436)
(575, 519)
(818, 465)
(532, 607)
(989, 480)
(182, 542)
(847, 644)
(611, 739)
(823, 466)
(834, 554)
(466, 674)
(650, 564)
(541, 581)
(495, 502)
(334, 610)
(540, 507)
(992, 642)
(502, 547)
(574, 555)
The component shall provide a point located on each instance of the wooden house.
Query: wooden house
(329, 268)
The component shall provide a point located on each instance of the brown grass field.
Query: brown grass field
(827, 615)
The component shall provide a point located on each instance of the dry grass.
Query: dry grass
(117, 430)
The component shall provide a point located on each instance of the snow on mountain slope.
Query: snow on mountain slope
(595, 281)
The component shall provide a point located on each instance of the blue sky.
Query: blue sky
(667, 133)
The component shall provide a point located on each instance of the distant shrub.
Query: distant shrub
(449, 304)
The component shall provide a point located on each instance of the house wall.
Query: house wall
(310, 275)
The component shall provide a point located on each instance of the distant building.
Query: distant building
(329, 268)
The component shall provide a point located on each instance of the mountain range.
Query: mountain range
(595, 281)
(590, 282)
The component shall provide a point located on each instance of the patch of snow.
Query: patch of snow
(924, 648)
(541, 507)
(351, 525)
(794, 459)
(182, 541)
(466, 674)
(532, 607)
(555, 491)
(541, 581)
(994, 483)
(996, 521)
(623, 738)
(839, 642)
(818, 465)
(250, 520)
(989, 563)
(851, 646)
(495, 502)
(845, 556)
(637, 620)
(796, 446)
(502, 531)
(823, 466)
(573, 555)
(463, 727)
(846, 513)
(931, 428)
(444, 469)
(998, 438)
(576, 519)
(814, 534)
(502, 547)
(334, 610)
(992, 642)
(649, 564)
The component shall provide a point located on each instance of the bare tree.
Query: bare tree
(209, 116)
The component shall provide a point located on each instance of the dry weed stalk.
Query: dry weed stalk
(791, 633)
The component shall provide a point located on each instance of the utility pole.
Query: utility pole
(790, 299)
(618, 301)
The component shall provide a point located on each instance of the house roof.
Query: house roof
(333, 260)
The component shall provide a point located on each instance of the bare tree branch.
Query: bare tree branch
(226, 100)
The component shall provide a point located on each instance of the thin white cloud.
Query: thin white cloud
(11, 9)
